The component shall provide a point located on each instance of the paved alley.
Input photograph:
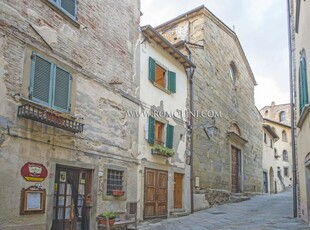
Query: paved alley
(261, 212)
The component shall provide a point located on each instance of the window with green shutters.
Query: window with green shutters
(162, 77)
(303, 84)
(50, 85)
(69, 7)
(152, 135)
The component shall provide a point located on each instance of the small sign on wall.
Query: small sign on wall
(33, 200)
(34, 172)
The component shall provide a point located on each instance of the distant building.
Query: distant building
(279, 113)
(227, 143)
(277, 117)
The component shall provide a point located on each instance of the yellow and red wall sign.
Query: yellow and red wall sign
(35, 172)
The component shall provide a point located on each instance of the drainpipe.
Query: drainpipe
(292, 109)
(191, 108)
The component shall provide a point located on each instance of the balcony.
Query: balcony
(50, 117)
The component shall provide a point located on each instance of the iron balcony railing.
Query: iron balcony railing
(48, 117)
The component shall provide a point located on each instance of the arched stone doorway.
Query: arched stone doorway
(271, 180)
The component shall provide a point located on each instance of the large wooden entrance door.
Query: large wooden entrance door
(235, 170)
(72, 188)
(178, 187)
(155, 193)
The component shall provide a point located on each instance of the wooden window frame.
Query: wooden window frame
(52, 86)
(170, 76)
(57, 4)
(24, 210)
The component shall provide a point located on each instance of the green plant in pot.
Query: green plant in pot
(108, 215)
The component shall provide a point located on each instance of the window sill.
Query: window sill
(161, 88)
(303, 115)
(62, 13)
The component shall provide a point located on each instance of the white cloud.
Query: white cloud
(268, 90)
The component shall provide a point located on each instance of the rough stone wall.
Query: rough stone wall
(215, 90)
(98, 49)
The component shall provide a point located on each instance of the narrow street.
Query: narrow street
(261, 212)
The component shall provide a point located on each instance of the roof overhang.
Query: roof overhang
(271, 132)
(276, 122)
(152, 34)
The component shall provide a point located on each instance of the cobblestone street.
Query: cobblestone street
(261, 212)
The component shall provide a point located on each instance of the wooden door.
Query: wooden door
(178, 187)
(265, 182)
(72, 188)
(235, 172)
(155, 193)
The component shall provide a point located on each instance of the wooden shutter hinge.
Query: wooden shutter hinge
(33, 57)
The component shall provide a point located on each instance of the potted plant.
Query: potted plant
(108, 215)
(117, 191)
(162, 151)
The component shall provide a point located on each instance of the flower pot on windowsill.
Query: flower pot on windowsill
(162, 151)
(118, 192)
(103, 220)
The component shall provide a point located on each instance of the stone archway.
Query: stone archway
(271, 180)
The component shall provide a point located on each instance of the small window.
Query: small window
(265, 138)
(232, 71)
(162, 77)
(285, 155)
(275, 153)
(69, 7)
(157, 131)
(285, 169)
(284, 136)
(50, 85)
(282, 117)
(271, 143)
(114, 181)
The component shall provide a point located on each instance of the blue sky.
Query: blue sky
(262, 30)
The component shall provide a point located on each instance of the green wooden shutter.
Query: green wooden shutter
(151, 136)
(303, 85)
(169, 136)
(305, 82)
(152, 69)
(41, 78)
(69, 6)
(171, 81)
(61, 93)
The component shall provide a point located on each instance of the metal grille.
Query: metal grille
(115, 181)
(43, 115)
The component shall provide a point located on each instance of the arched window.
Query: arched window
(232, 71)
(235, 128)
(282, 117)
(285, 155)
(303, 87)
(284, 136)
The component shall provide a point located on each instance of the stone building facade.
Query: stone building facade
(278, 117)
(67, 78)
(227, 136)
(301, 47)
(163, 178)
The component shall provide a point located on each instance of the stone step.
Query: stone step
(238, 198)
(177, 210)
(179, 214)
